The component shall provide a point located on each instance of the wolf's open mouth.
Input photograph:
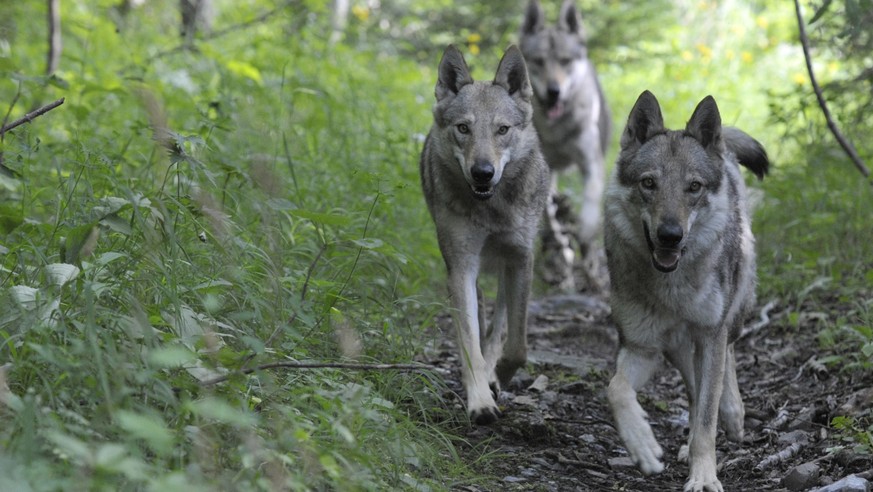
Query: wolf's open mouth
(663, 259)
(483, 192)
(555, 111)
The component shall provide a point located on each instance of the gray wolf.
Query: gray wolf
(485, 183)
(574, 124)
(681, 258)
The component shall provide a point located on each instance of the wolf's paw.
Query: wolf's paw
(683, 454)
(644, 450)
(709, 484)
(703, 478)
(732, 423)
(485, 416)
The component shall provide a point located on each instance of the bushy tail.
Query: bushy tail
(749, 151)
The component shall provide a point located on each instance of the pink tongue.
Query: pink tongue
(666, 257)
(555, 111)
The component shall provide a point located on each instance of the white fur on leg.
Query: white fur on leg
(703, 476)
(635, 432)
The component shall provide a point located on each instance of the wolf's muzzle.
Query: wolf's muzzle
(482, 173)
(667, 252)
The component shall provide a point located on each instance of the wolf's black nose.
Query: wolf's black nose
(553, 90)
(482, 171)
(669, 234)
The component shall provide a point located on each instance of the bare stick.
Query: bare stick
(31, 116)
(780, 457)
(761, 323)
(54, 36)
(844, 143)
(324, 365)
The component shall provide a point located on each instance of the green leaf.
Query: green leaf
(79, 243)
(149, 428)
(60, 274)
(172, 356)
(369, 243)
(117, 224)
(321, 218)
(217, 409)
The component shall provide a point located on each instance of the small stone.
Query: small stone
(802, 477)
(793, 437)
(540, 383)
(621, 462)
(524, 400)
(852, 483)
(511, 479)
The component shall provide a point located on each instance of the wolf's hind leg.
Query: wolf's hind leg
(517, 276)
(731, 412)
(633, 370)
(558, 254)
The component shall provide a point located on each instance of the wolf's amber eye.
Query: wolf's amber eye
(648, 183)
(502, 130)
(695, 186)
(463, 128)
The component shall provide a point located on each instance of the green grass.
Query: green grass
(284, 226)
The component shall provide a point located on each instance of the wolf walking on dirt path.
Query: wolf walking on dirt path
(485, 183)
(681, 260)
(574, 125)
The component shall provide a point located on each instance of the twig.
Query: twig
(55, 46)
(764, 321)
(31, 116)
(844, 143)
(781, 456)
(323, 365)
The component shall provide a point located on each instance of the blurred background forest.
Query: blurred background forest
(240, 187)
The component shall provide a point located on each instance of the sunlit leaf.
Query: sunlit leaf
(149, 428)
(61, 273)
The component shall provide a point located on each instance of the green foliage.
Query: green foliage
(186, 214)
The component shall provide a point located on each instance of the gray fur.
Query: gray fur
(485, 221)
(681, 259)
(574, 125)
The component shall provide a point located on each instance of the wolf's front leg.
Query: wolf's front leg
(709, 361)
(474, 372)
(633, 369)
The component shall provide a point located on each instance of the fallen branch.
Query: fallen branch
(841, 139)
(31, 116)
(323, 365)
(780, 457)
(761, 323)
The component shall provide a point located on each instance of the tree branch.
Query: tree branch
(322, 365)
(841, 139)
(31, 116)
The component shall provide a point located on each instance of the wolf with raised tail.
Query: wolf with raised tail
(486, 184)
(574, 124)
(681, 259)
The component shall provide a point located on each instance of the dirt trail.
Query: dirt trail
(557, 434)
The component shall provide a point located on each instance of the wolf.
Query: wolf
(485, 183)
(573, 120)
(681, 258)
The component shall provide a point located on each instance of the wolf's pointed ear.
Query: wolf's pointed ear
(512, 74)
(569, 19)
(644, 121)
(453, 73)
(705, 122)
(533, 18)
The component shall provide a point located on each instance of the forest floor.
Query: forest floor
(557, 434)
